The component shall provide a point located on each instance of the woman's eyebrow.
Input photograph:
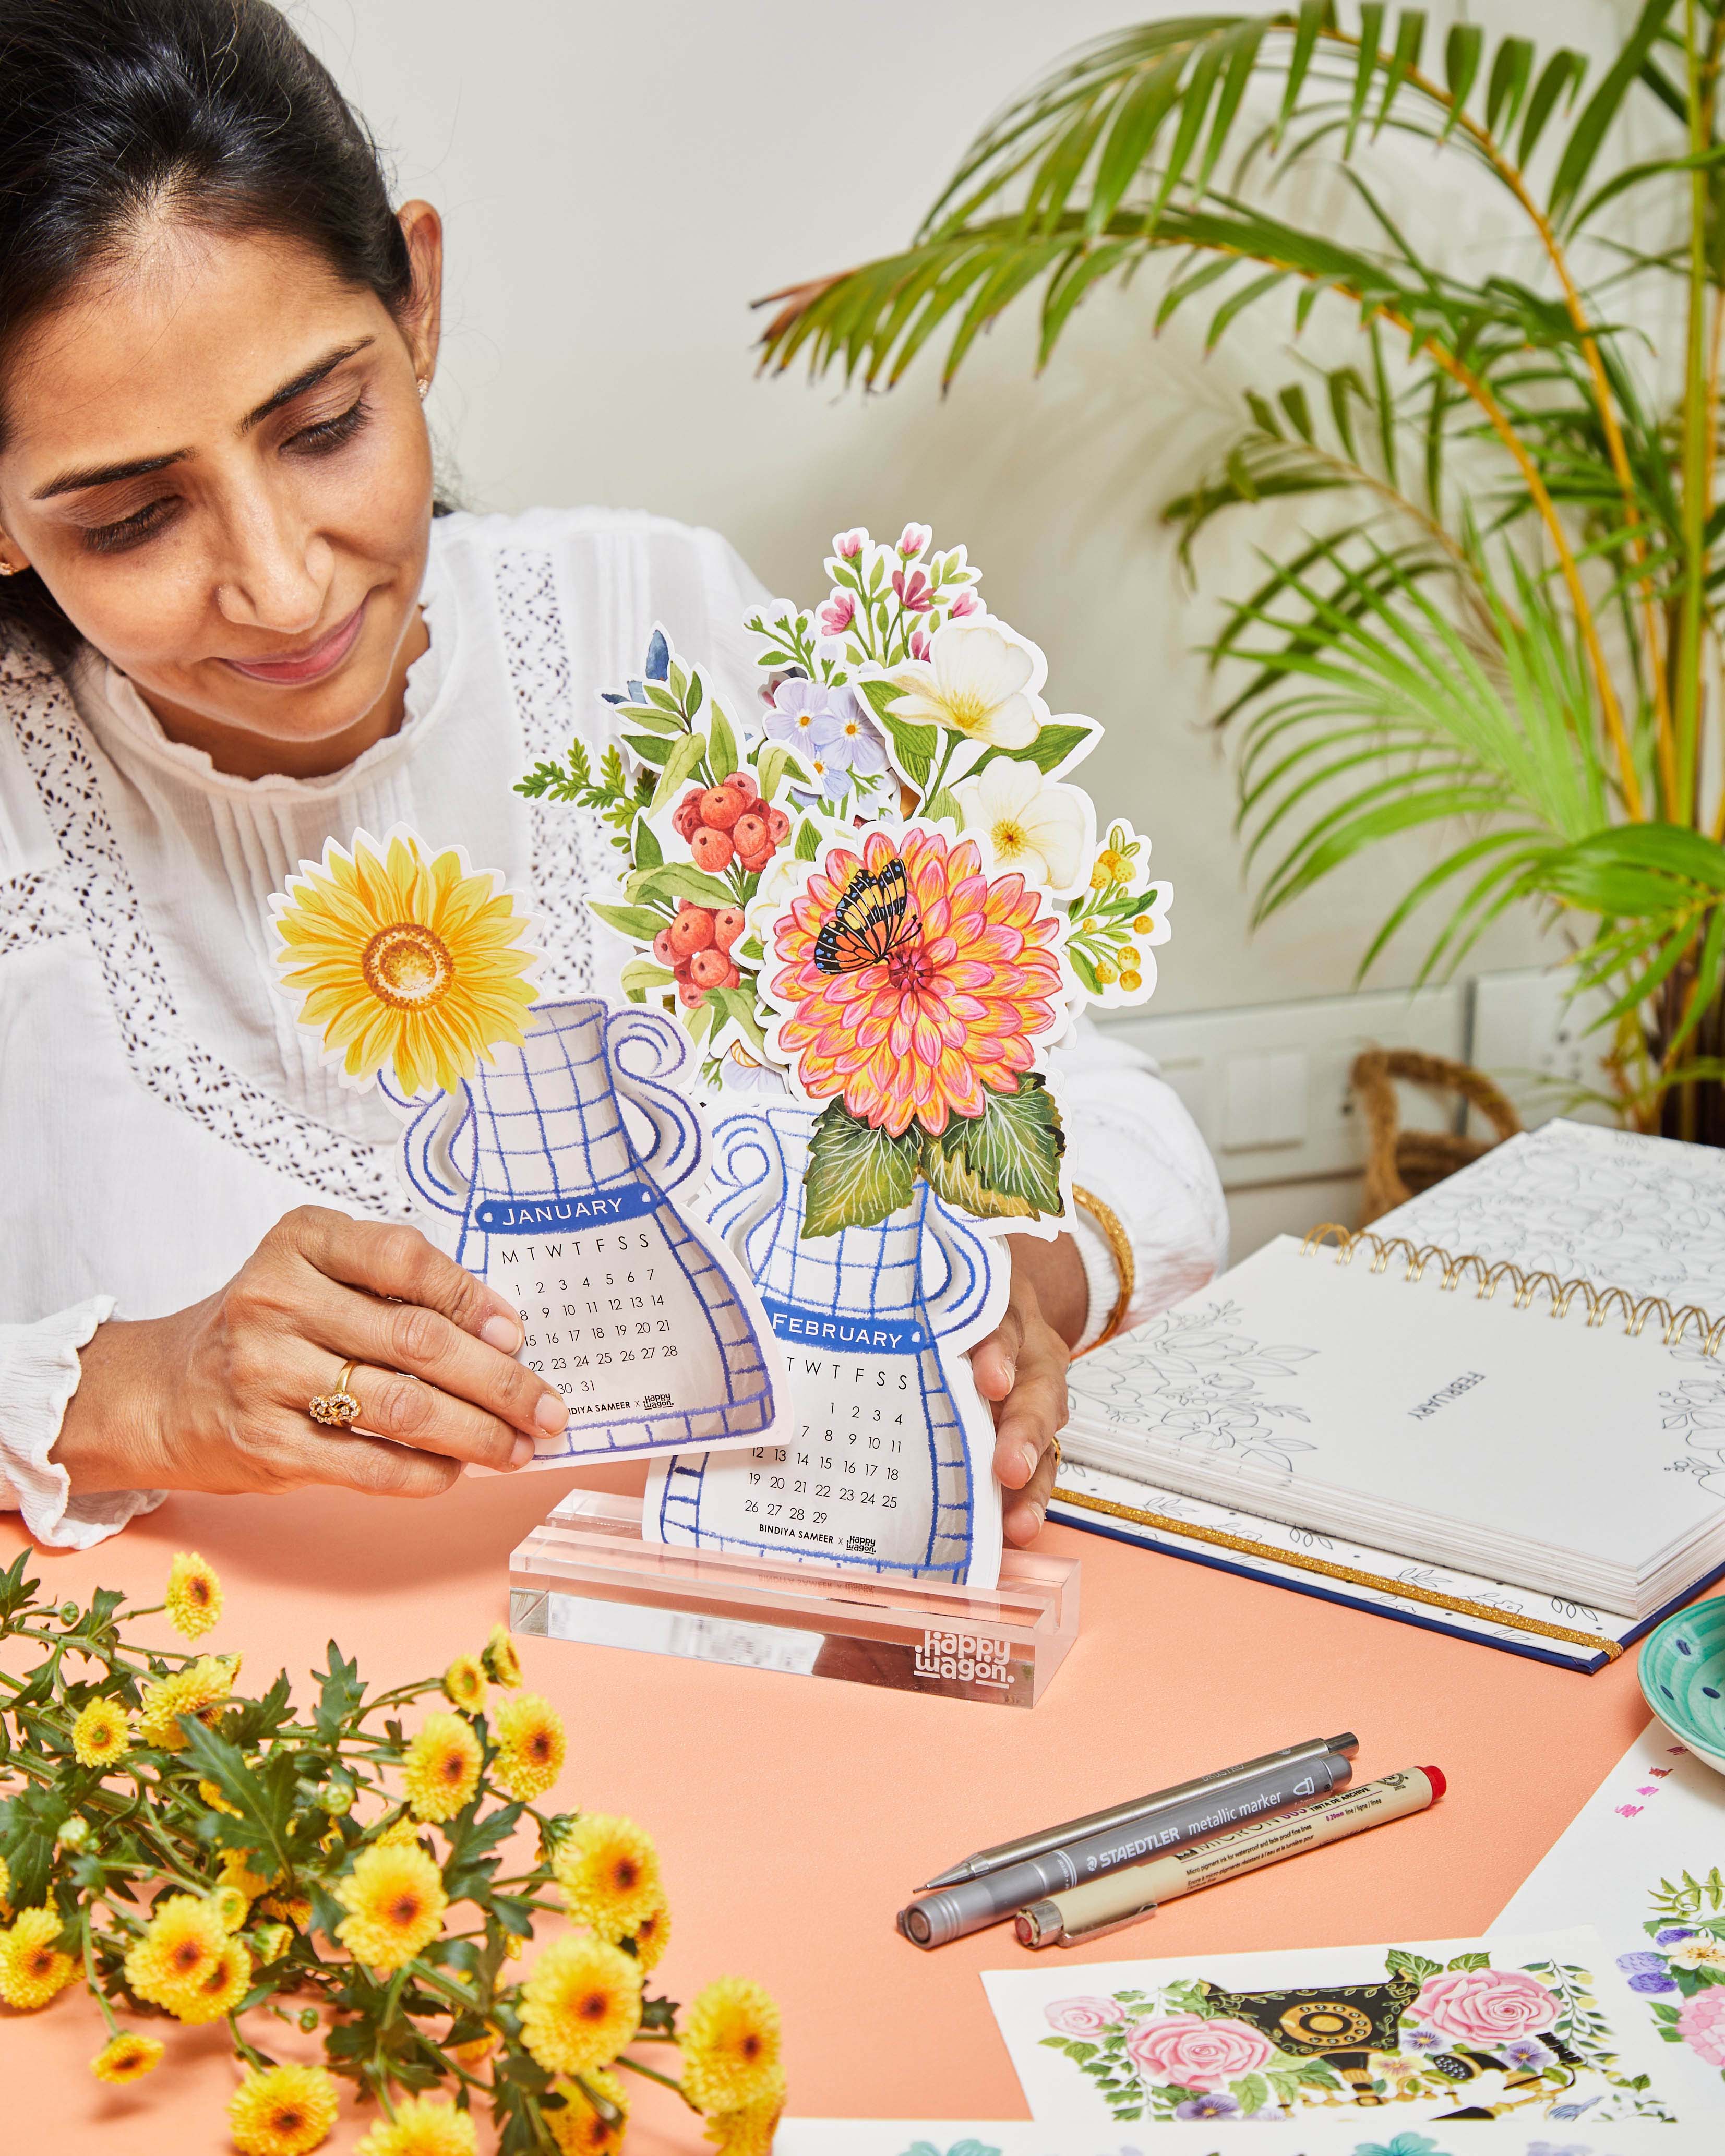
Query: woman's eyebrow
(69, 482)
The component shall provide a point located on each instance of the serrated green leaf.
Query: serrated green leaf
(1472, 1961)
(856, 1175)
(1004, 1164)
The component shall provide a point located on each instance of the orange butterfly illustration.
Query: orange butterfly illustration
(874, 918)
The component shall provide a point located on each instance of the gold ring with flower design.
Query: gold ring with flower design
(336, 1409)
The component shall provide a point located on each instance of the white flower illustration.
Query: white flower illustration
(978, 681)
(1023, 822)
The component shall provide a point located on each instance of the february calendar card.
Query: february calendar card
(1644, 1862)
(1539, 2028)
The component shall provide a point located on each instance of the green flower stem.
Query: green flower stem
(652, 2073)
(89, 1973)
(259, 2060)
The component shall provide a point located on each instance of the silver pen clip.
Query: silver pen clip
(1041, 1925)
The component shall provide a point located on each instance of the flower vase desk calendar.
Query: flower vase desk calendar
(861, 903)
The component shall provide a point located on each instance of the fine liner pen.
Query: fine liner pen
(1136, 1809)
(1115, 1899)
(952, 1911)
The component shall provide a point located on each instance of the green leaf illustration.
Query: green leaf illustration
(640, 923)
(1400, 1962)
(855, 1175)
(679, 766)
(1005, 1164)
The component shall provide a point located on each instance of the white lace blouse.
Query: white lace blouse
(159, 1108)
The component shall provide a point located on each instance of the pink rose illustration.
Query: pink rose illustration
(1083, 2017)
(1485, 2006)
(1196, 2054)
(1701, 2023)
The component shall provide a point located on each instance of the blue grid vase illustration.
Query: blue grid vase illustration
(566, 1206)
(883, 1462)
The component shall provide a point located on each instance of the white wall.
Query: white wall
(620, 181)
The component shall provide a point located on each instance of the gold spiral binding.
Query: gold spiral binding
(1599, 1302)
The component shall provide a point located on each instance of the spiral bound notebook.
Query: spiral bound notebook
(1519, 1436)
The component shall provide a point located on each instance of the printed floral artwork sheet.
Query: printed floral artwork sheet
(1539, 2028)
(1644, 1862)
(953, 2137)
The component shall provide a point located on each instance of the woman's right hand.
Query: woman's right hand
(216, 1396)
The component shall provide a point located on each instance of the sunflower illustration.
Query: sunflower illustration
(402, 957)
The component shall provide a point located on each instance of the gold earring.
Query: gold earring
(424, 382)
(11, 568)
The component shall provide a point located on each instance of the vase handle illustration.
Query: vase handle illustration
(750, 1181)
(427, 1147)
(962, 1296)
(668, 1113)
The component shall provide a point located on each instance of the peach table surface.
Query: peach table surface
(794, 1815)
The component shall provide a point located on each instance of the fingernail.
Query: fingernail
(550, 1415)
(1027, 1459)
(502, 1333)
(1011, 1369)
(1037, 1516)
(521, 1451)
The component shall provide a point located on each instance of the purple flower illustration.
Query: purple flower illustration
(1423, 2039)
(1212, 2104)
(1529, 2054)
(1646, 1972)
(806, 714)
(1671, 1934)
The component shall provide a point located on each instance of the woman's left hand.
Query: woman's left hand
(1021, 1366)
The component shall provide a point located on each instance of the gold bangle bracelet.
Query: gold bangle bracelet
(1120, 1249)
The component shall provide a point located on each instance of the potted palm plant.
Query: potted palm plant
(1514, 633)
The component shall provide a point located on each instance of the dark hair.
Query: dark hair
(111, 110)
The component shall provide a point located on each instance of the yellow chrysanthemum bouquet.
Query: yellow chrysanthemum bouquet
(195, 1855)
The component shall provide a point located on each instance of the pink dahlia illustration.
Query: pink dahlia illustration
(1488, 2007)
(1701, 2023)
(1083, 2017)
(1194, 2053)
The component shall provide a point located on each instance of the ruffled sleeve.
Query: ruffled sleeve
(39, 1373)
(1131, 1143)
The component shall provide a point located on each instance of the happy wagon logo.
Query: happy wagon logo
(967, 1656)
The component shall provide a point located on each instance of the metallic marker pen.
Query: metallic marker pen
(952, 1911)
(1138, 1808)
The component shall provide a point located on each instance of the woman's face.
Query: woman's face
(215, 458)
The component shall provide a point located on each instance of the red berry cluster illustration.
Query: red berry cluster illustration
(696, 946)
(730, 822)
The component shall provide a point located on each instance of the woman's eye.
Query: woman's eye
(142, 524)
(330, 434)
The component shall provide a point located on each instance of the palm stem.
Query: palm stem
(1696, 430)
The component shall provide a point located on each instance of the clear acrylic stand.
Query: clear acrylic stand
(585, 1574)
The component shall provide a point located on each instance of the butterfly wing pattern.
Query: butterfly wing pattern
(873, 918)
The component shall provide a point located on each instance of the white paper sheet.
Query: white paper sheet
(1539, 2027)
(955, 2137)
(1644, 1862)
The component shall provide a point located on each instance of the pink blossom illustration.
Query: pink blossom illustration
(1485, 2006)
(848, 545)
(913, 539)
(1701, 2023)
(836, 616)
(1190, 2052)
(1083, 2017)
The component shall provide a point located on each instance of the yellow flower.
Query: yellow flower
(182, 1943)
(33, 1968)
(422, 2127)
(578, 2129)
(99, 1736)
(730, 2046)
(398, 1901)
(404, 1833)
(442, 1767)
(652, 1935)
(231, 1906)
(237, 1872)
(749, 2130)
(272, 1941)
(464, 1682)
(294, 1909)
(126, 2058)
(219, 1990)
(194, 1595)
(530, 1746)
(610, 1874)
(405, 960)
(284, 2110)
(581, 2004)
(199, 1691)
(499, 1658)
(211, 1795)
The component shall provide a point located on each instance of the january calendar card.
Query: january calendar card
(870, 889)
(1539, 2029)
(1644, 1861)
(549, 1142)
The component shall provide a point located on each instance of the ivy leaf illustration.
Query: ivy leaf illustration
(855, 1175)
(1004, 1164)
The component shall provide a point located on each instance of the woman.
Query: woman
(230, 629)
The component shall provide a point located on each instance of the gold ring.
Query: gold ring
(335, 1410)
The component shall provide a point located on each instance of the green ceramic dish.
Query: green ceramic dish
(1682, 1673)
